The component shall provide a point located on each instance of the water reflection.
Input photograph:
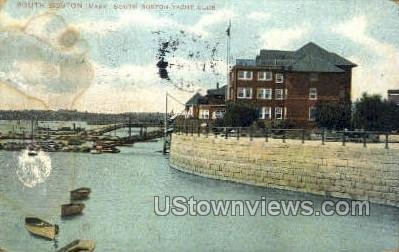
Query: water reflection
(33, 170)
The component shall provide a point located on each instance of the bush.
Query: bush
(282, 124)
(333, 115)
(375, 114)
(239, 114)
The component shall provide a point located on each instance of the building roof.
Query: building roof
(274, 58)
(308, 58)
(276, 54)
(198, 99)
(245, 62)
(311, 63)
(393, 92)
(315, 50)
(217, 91)
(194, 100)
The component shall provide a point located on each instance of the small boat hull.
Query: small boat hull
(32, 150)
(80, 193)
(32, 153)
(41, 228)
(79, 245)
(72, 209)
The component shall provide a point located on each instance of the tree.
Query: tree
(374, 113)
(333, 115)
(391, 118)
(239, 114)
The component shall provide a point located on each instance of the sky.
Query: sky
(108, 59)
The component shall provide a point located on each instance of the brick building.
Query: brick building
(393, 96)
(209, 106)
(286, 85)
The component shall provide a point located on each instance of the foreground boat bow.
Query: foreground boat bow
(41, 228)
(79, 245)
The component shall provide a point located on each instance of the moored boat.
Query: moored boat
(41, 228)
(13, 146)
(71, 209)
(32, 153)
(111, 150)
(104, 147)
(95, 151)
(32, 150)
(79, 245)
(80, 193)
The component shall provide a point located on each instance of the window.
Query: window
(278, 113)
(217, 114)
(190, 112)
(312, 113)
(314, 77)
(265, 76)
(265, 93)
(279, 94)
(265, 113)
(245, 75)
(312, 93)
(279, 78)
(204, 114)
(342, 94)
(245, 93)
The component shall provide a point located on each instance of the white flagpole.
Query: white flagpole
(228, 31)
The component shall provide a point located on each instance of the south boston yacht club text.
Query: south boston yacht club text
(183, 206)
(76, 5)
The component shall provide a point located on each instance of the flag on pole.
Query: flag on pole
(228, 29)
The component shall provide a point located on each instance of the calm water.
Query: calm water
(119, 216)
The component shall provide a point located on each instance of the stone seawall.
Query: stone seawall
(350, 172)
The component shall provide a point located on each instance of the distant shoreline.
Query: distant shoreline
(74, 115)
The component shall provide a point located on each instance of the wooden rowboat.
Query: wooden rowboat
(79, 245)
(80, 193)
(41, 228)
(32, 150)
(72, 209)
(32, 153)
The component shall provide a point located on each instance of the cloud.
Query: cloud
(186, 74)
(284, 38)
(7, 22)
(54, 30)
(129, 88)
(356, 30)
(259, 16)
(140, 18)
(44, 58)
(12, 98)
(191, 72)
(136, 18)
(218, 17)
(109, 100)
(377, 74)
(126, 76)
